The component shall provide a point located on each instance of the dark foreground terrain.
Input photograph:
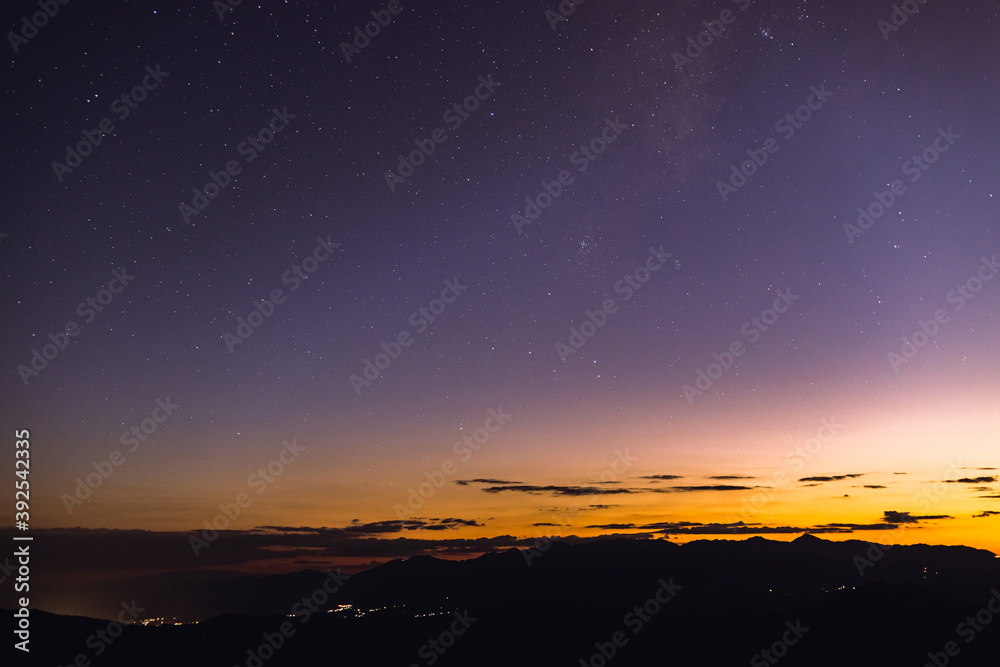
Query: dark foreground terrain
(615, 602)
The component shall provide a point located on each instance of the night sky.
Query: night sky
(602, 279)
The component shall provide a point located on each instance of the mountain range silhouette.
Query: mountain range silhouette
(616, 602)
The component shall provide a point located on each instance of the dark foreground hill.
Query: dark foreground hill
(614, 602)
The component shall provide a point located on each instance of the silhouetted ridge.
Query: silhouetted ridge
(728, 600)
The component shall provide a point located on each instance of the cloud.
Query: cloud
(662, 477)
(731, 477)
(872, 486)
(890, 521)
(741, 528)
(461, 522)
(693, 528)
(831, 478)
(397, 526)
(972, 480)
(376, 527)
(710, 487)
(986, 513)
(466, 482)
(594, 489)
(905, 517)
(557, 490)
(852, 527)
(613, 526)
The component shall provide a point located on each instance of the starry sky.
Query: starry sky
(671, 270)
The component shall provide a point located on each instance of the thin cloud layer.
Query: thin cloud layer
(466, 482)
(396, 526)
(709, 487)
(830, 478)
(905, 517)
(557, 490)
(561, 490)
